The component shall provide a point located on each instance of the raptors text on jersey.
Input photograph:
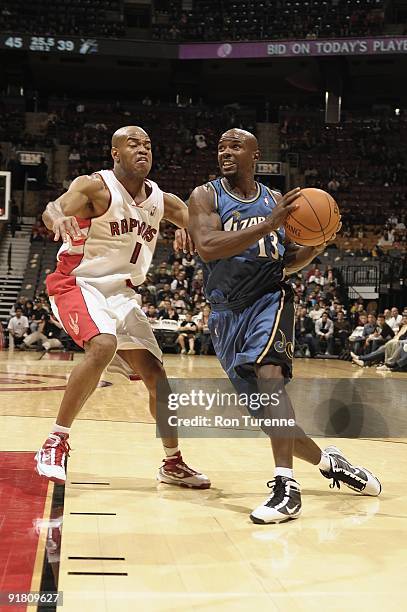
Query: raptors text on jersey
(120, 244)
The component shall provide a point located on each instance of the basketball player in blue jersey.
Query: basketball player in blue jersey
(237, 227)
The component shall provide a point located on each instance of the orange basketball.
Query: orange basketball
(316, 220)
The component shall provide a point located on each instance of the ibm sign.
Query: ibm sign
(268, 168)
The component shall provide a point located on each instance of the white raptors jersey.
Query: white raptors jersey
(118, 245)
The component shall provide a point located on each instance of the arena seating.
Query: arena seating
(182, 138)
(366, 157)
(361, 162)
(204, 19)
(267, 19)
(76, 17)
(364, 154)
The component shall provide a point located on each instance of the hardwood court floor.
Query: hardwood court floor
(197, 550)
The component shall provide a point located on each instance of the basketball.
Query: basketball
(316, 220)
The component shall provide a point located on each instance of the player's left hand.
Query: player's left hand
(321, 247)
(183, 242)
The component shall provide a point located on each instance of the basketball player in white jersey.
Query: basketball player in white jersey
(109, 223)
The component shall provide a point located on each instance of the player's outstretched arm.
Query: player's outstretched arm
(86, 197)
(205, 226)
(176, 211)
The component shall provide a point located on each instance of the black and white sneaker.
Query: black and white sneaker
(356, 478)
(283, 504)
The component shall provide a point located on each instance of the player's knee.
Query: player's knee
(270, 379)
(270, 372)
(102, 349)
(153, 374)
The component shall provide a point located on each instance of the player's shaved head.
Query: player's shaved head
(241, 135)
(238, 153)
(128, 131)
(131, 152)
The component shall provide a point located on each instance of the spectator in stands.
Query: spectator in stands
(162, 276)
(330, 276)
(152, 313)
(172, 314)
(21, 302)
(163, 313)
(47, 335)
(381, 334)
(188, 263)
(178, 303)
(357, 314)
(18, 326)
(41, 310)
(316, 312)
(186, 297)
(317, 278)
(341, 330)
(368, 330)
(356, 338)
(324, 329)
(394, 320)
(398, 361)
(28, 309)
(164, 293)
(305, 332)
(179, 282)
(333, 185)
(337, 308)
(188, 331)
(203, 329)
(384, 352)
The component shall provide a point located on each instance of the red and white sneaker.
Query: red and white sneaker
(175, 471)
(51, 458)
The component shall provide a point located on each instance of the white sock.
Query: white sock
(169, 452)
(59, 429)
(283, 471)
(325, 463)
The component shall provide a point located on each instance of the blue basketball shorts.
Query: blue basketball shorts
(261, 334)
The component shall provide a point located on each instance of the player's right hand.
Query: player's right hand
(66, 226)
(183, 242)
(284, 208)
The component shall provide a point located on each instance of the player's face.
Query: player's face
(134, 154)
(235, 156)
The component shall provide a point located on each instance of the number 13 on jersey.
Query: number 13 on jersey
(273, 246)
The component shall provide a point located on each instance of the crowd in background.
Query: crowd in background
(182, 136)
(207, 20)
(49, 18)
(266, 19)
(361, 161)
(173, 300)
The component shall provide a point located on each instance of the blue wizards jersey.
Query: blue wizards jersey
(236, 282)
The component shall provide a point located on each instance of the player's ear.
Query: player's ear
(115, 154)
(257, 155)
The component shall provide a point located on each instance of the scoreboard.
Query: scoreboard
(45, 44)
(76, 45)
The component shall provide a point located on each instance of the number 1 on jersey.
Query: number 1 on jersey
(136, 253)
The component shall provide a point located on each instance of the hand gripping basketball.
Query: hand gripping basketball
(284, 208)
(316, 219)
